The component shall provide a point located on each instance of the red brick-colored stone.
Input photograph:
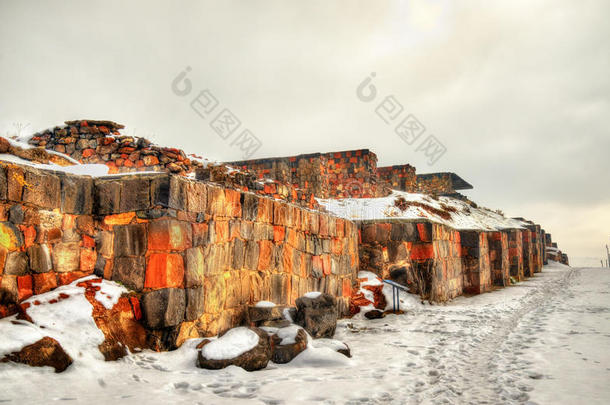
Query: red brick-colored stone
(87, 259)
(169, 235)
(44, 282)
(279, 233)
(424, 233)
(25, 287)
(164, 270)
(422, 251)
(264, 257)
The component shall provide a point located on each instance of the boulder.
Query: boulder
(374, 314)
(317, 313)
(287, 343)
(245, 347)
(265, 311)
(46, 352)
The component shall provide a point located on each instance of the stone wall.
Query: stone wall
(515, 254)
(196, 253)
(528, 253)
(421, 255)
(499, 258)
(475, 262)
(435, 184)
(326, 175)
(398, 177)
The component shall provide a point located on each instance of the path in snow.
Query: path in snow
(543, 341)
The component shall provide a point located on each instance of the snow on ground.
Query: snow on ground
(463, 215)
(544, 340)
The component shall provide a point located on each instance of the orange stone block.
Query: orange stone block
(29, 235)
(87, 259)
(169, 235)
(119, 219)
(164, 270)
(88, 241)
(422, 251)
(222, 231)
(67, 278)
(346, 290)
(264, 257)
(24, 286)
(44, 282)
(326, 268)
(279, 232)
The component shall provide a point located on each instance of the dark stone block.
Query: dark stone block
(469, 238)
(77, 195)
(130, 271)
(249, 207)
(16, 264)
(317, 315)
(251, 259)
(107, 196)
(159, 191)
(178, 193)
(135, 194)
(3, 184)
(130, 240)
(164, 308)
(15, 214)
(156, 213)
(239, 253)
(194, 303)
(40, 258)
(100, 265)
(42, 189)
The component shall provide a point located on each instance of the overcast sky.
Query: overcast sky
(517, 91)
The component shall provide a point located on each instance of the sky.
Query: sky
(516, 92)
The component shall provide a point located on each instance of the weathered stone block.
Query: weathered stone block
(215, 294)
(280, 288)
(15, 214)
(107, 196)
(194, 303)
(130, 271)
(3, 183)
(196, 196)
(164, 308)
(169, 235)
(239, 253)
(178, 193)
(16, 264)
(40, 258)
(217, 258)
(66, 257)
(164, 270)
(135, 194)
(250, 207)
(42, 189)
(195, 265)
(160, 190)
(11, 237)
(77, 194)
(252, 253)
(130, 240)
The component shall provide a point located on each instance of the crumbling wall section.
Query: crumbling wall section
(475, 262)
(499, 258)
(196, 253)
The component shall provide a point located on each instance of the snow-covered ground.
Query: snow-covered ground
(545, 340)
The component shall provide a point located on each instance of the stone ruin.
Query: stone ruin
(199, 243)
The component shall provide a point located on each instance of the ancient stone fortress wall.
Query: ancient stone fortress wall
(515, 254)
(434, 184)
(422, 255)
(326, 175)
(398, 177)
(499, 258)
(476, 262)
(196, 253)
